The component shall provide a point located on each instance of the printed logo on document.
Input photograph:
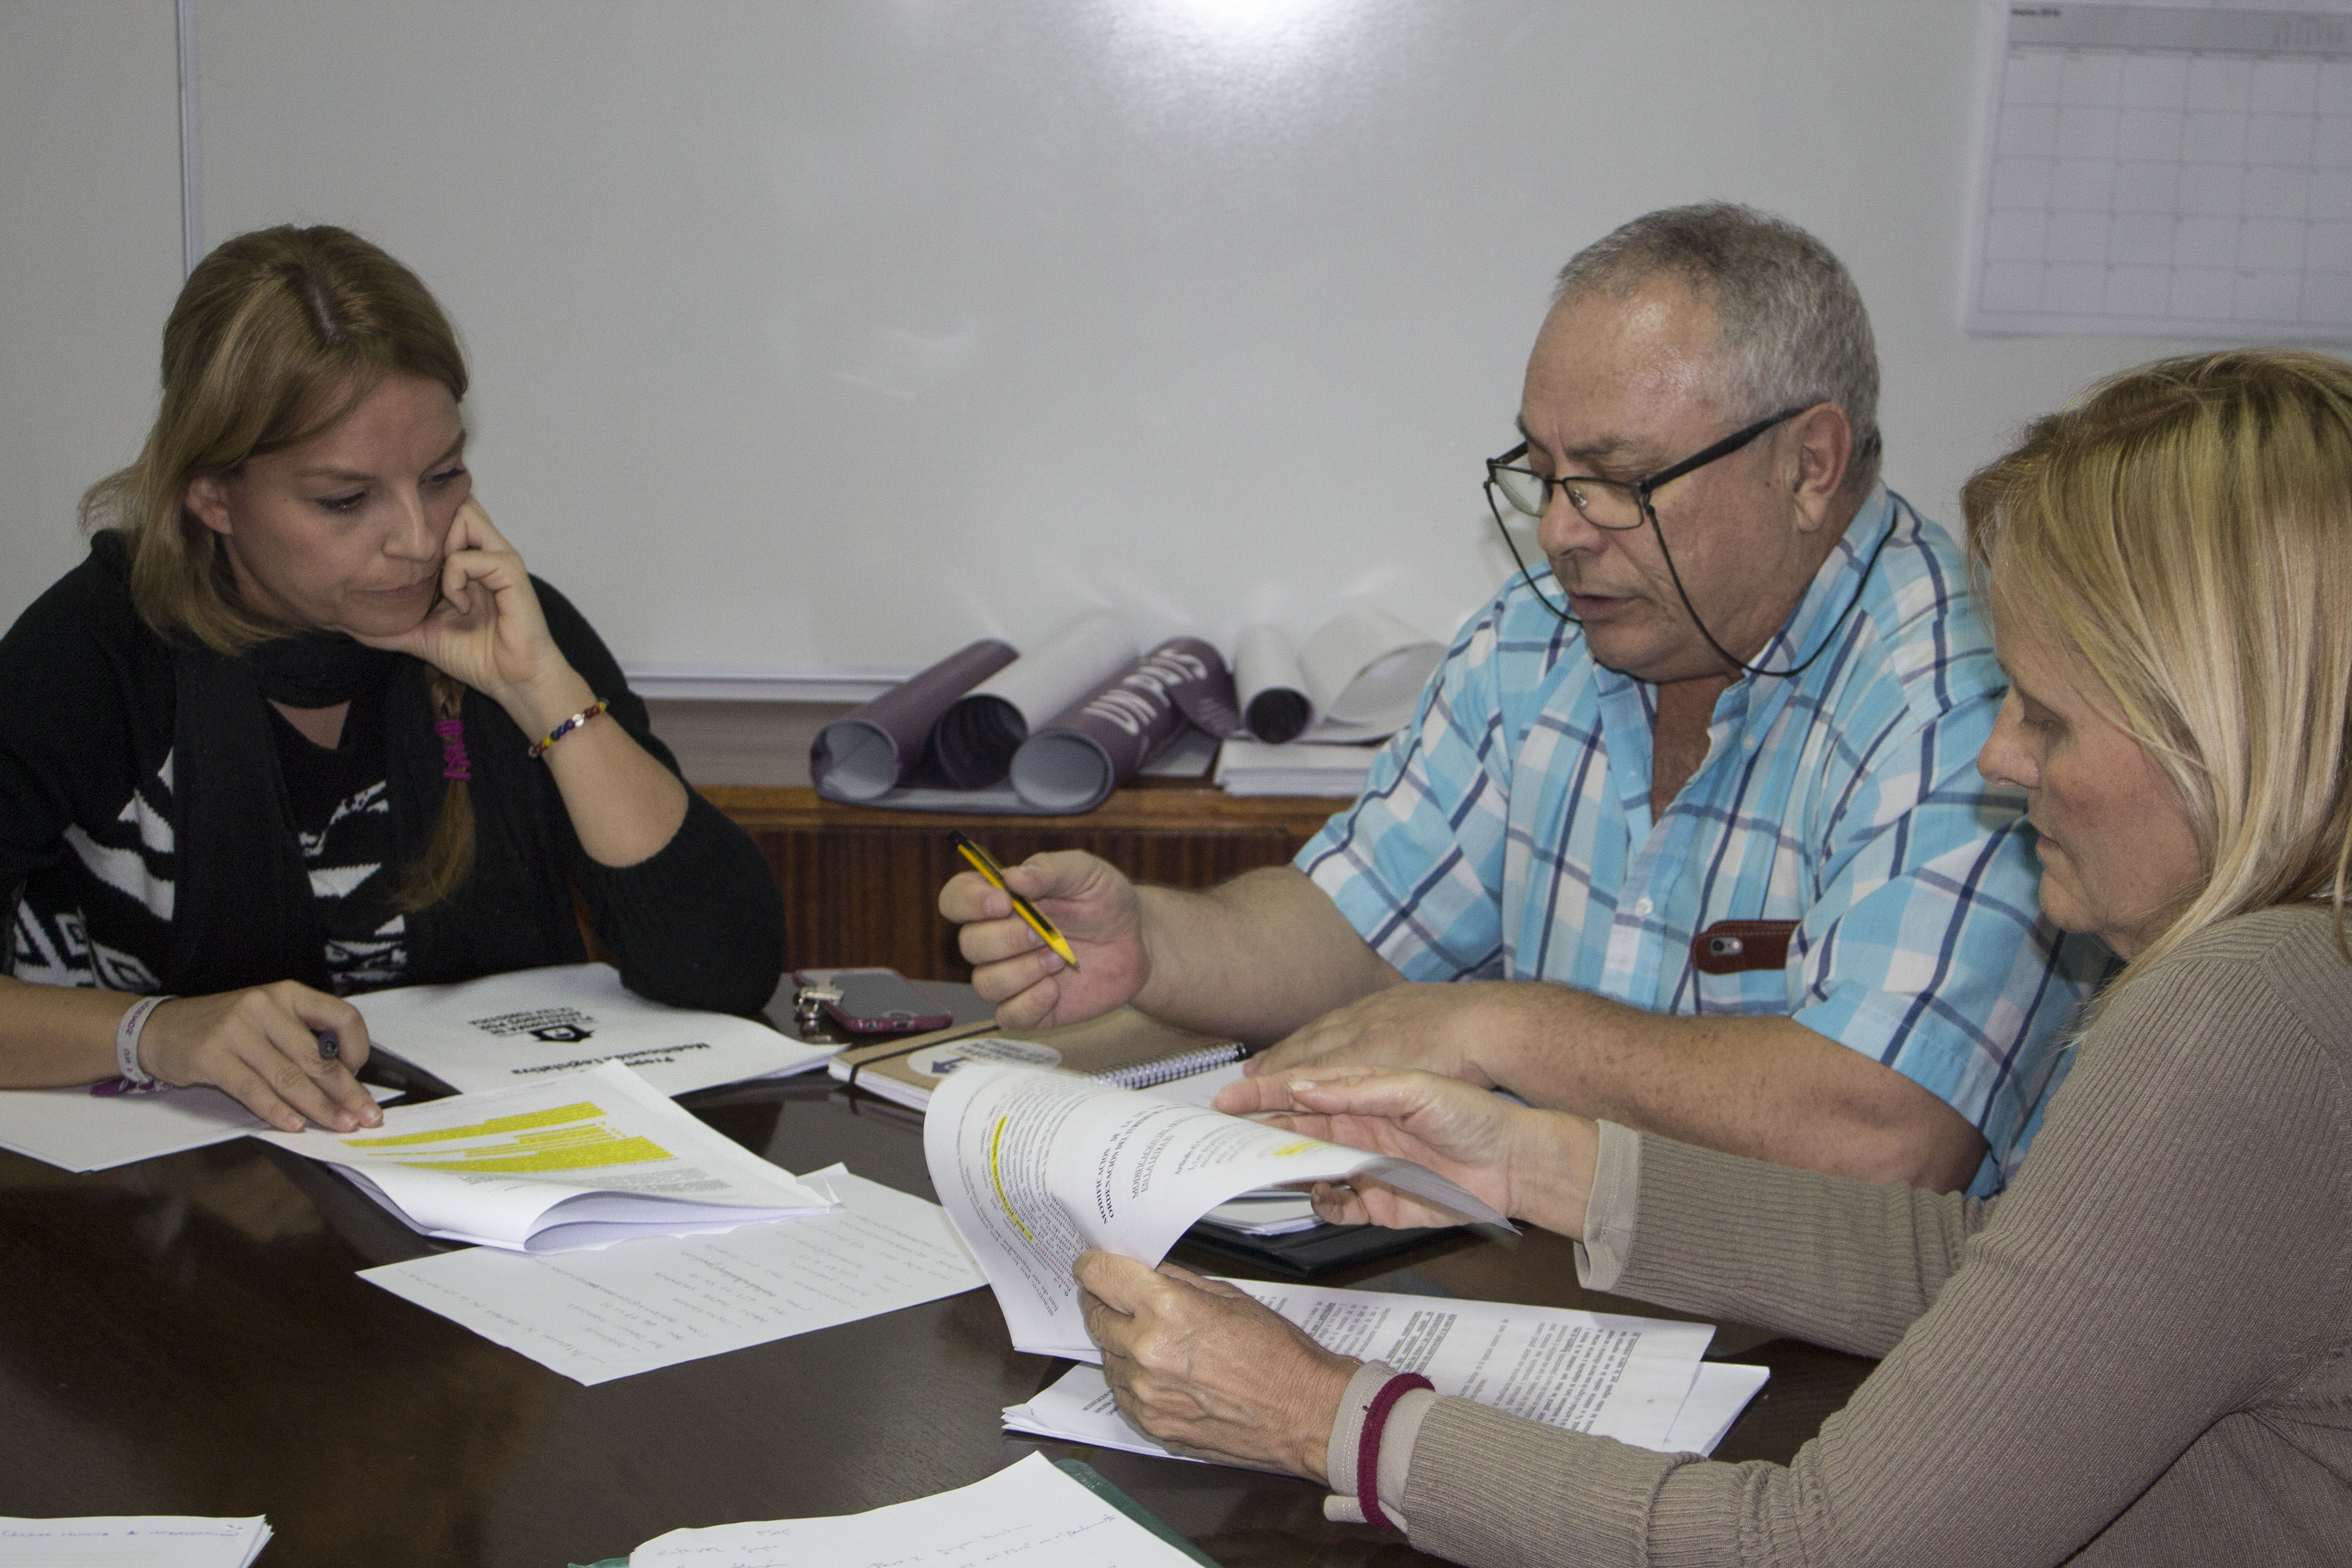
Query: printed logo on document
(556, 1026)
(938, 1061)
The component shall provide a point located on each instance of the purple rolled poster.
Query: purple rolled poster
(868, 753)
(1095, 745)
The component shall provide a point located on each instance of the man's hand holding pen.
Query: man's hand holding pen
(1094, 909)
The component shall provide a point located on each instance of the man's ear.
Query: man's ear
(208, 497)
(1823, 448)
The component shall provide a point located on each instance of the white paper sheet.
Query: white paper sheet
(1718, 1395)
(596, 1316)
(1364, 668)
(532, 1023)
(1622, 1377)
(1028, 1515)
(75, 1130)
(583, 1159)
(154, 1541)
(1037, 1167)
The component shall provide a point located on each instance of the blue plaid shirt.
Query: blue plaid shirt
(1507, 833)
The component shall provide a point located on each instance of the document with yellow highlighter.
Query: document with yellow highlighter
(581, 1160)
(1035, 1167)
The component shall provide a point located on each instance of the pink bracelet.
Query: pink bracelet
(1367, 1444)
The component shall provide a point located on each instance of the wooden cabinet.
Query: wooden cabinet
(861, 885)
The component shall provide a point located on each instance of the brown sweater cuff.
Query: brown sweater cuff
(1607, 1244)
(1484, 1486)
(1343, 1507)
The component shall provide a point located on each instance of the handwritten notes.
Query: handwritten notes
(158, 1541)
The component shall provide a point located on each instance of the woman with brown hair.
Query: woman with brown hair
(302, 725)
(2141, 1352)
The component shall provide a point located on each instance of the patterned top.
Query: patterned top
(95, 877)
(1506, 834)
(338, 801)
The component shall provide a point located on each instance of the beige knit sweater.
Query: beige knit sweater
(2137, 1356)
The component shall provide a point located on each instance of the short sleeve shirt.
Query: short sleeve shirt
(1507, 833)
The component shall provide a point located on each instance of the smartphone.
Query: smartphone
(882, 1001)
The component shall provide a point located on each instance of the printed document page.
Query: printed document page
(75, 1130)
(1718, 1395)
(584, 1160)
(596, 1316)
(1028, 1515)
(1037, 1167)
(155, 1541)
(1622, 1377)
(516, 1028)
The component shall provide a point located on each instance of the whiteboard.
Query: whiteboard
(814, 340)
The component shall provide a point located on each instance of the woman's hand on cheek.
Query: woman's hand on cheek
(1203, 1368)
(487, 630)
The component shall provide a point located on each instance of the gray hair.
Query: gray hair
(1791, 329)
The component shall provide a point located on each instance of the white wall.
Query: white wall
(90, 259)
(815, 336)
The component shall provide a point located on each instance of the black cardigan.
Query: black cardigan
(99, 758)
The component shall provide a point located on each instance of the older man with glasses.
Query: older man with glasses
(1690, 838)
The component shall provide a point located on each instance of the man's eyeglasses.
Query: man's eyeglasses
(1621, 505)
(1614, 504)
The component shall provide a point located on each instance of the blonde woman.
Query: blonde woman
(302, 726)
(2142, 1351)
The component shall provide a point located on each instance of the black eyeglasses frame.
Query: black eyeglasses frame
(1642, 489)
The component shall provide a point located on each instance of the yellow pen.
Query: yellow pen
(985, 864)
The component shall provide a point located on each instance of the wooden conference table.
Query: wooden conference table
(187, 1335)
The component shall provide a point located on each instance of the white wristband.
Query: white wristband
(126, 1040)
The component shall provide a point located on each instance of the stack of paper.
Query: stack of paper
(1277, 1211)
(1638, 1380)
(539, 1023)
(1333, 773)
(75, 1130)
(596, 1316)
(584, 1160)
(1035, 1167)
(1032, 1513)
(154, 1541)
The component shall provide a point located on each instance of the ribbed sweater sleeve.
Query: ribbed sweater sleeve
(2139, 1357)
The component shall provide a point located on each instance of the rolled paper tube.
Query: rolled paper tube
(1210, 702)
(1074, 761)
(866, 753)
(1277, 714)
(1275, 707)
(976, 738)
(1365, 670)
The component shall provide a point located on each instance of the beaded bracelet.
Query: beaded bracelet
(1368, 1445)
(599, 706)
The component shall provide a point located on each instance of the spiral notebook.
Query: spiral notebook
(1123, 1047)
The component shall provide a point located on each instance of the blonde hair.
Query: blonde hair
(276, 336)
(2185, 530)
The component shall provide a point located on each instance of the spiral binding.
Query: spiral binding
(1168, 1069)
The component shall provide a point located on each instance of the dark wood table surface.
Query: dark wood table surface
(188, 1335)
